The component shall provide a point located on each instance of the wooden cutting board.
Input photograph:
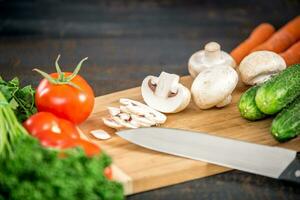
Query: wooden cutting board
(140, 169)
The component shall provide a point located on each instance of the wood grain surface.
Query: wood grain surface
(146, 169)
(127, 40)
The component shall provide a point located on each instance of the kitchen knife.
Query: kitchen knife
(264, 160)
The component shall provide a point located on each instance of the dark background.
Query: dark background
(127, 40)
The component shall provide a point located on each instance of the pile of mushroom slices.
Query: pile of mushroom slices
(133, 114)
(215, 76)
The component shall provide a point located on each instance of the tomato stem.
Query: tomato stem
(77, 69)
(46, 76)
(60, 74)
(61, 80)
(73, 85)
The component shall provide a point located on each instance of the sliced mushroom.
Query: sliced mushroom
(125, 109)
(113, 111)
(124, 116)
(126, 123)
(259, 66)
(165, 93)
(143, 121)
(209, 57)
(141, 109)
(111, 123)
(100, 134)
(213, 87)
(133, 114)
(134, 107)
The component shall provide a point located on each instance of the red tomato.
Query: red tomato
(64, 100)
(108, 173)
(51, 130)
(89, 148)
(58, 133)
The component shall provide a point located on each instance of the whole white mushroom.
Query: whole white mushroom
(209, 57)
(259, 66)
(213, 87)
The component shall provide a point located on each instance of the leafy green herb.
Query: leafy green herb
(37, 173)
(20, 99)
(10, 128)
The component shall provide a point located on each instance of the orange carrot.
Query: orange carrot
(259, 35)
(292, 54)
(283, 38)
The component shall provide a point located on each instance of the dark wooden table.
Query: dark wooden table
(127, 40)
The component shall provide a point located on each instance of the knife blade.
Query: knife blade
(264, 160)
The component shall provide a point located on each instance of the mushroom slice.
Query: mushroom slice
(259, 66)
(100, 134)
(137, 108)
(124, 109)
(111, 123)
(165, 93)
(209, 57)
(143, 121)
(113, 111)
(213, 87)
(139, 118)
(124, 123)
(134, 108)
(124, 116)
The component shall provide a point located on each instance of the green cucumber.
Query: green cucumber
(247, 105)
(286, 124)
(279, 91)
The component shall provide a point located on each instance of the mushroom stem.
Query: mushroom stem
(212, 52)
(166, 84)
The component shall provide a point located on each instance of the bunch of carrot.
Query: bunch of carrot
(286, 42)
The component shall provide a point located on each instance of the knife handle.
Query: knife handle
(292, 172)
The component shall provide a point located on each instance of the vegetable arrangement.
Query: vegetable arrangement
(46, 158)
(281, 95)
(55, 163)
